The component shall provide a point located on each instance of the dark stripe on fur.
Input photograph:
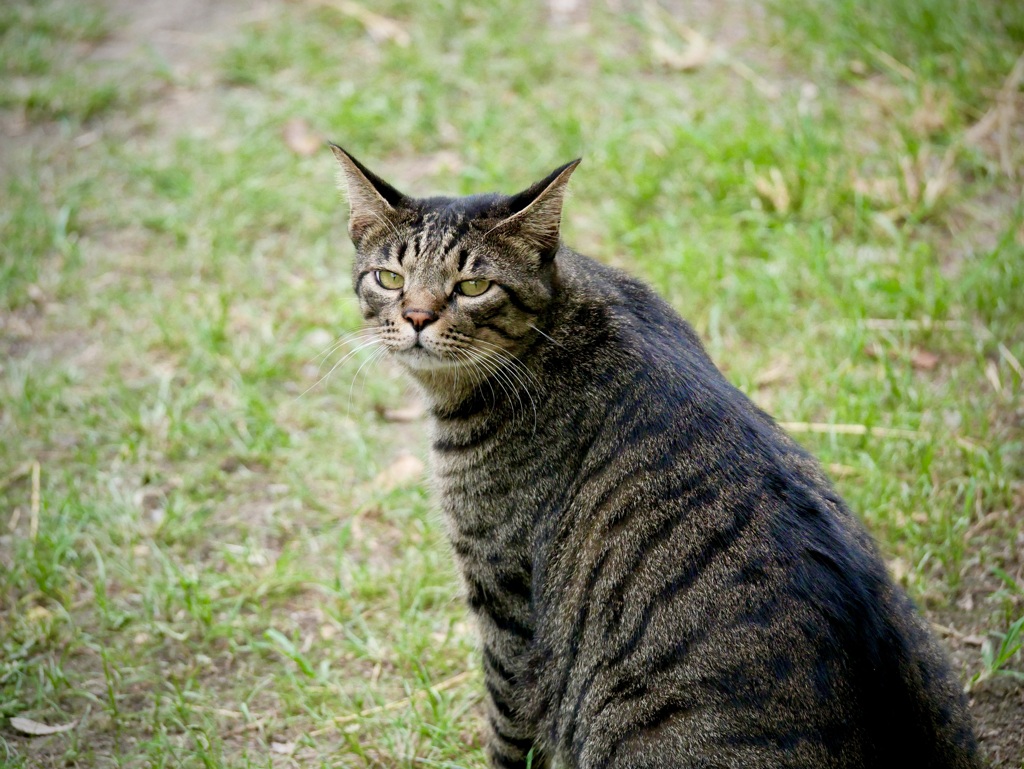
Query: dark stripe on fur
(500, 331)
(515, 584)
(492, 661)
(476, 439)
(500, 703)
(649, 722)
(518, 303)
(522, 744)
(508, 762)
(684, 580)
(359, 278)
(497, 609)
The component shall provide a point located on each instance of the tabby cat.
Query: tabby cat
(661, 577)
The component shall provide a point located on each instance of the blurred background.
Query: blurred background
(217, 544)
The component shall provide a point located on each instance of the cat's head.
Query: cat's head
(453, 284)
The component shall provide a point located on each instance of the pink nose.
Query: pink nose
(420, 319)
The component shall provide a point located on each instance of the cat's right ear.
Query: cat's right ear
(371, 200)
(537, 212)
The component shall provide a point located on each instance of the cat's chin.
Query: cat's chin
(418, 359)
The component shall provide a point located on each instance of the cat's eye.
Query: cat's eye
(388, 279)
(472, 287)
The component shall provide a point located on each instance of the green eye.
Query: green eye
(388, 279)
(472, 287)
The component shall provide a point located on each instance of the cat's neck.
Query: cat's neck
(444, 389)
(493, 391)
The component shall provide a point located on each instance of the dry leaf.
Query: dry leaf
(773, 189)
(882, 93)
(858, 67)
(379, 28)
(924, 360)
(992, 374)
(282, 748)
(696, 54)
(562, 11)
(405, 414)
(898, 569)
(931, 115)
(841, 471)
(911, 177)
(779, 371)
(300, 137)
(39, 614)
(882, 191)
(37, 729)
(404, 470)
(1000, 120)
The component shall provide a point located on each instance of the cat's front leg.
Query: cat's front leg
(511, 738)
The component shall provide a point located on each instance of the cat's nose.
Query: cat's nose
(420, 319)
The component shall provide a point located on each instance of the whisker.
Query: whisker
(485, 370)
(553, 341)
(511, 360)
(508, 369)
(364, 345)
(379, 353)
(360, 335)
(522, 374)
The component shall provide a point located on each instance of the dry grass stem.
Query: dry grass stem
(876, 432)
(1011, 359)
(33, 526)
(892, 63)
(700, 51)
(851, 429)
(18, 472)
(379, 28)
(1000, 118)
(925, 324)
(840, 470)
(448, 683)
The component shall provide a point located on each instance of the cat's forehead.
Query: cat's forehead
(445, 217)
(442, 225)
(433, 238)
(436, 233)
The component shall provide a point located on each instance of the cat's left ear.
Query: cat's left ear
(371, 200)
(537, 212)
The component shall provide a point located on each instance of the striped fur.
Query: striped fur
(661, 577)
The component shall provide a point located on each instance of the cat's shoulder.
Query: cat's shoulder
(642, 320)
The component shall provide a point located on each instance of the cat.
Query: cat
(660, 576)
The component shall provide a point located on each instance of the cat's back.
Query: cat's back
(702, 591)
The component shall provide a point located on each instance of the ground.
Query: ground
(217, 547)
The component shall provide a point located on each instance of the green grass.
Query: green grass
(42, 53)
(953, 45)
(217, 563)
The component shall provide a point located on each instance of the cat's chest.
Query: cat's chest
(489, 476)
